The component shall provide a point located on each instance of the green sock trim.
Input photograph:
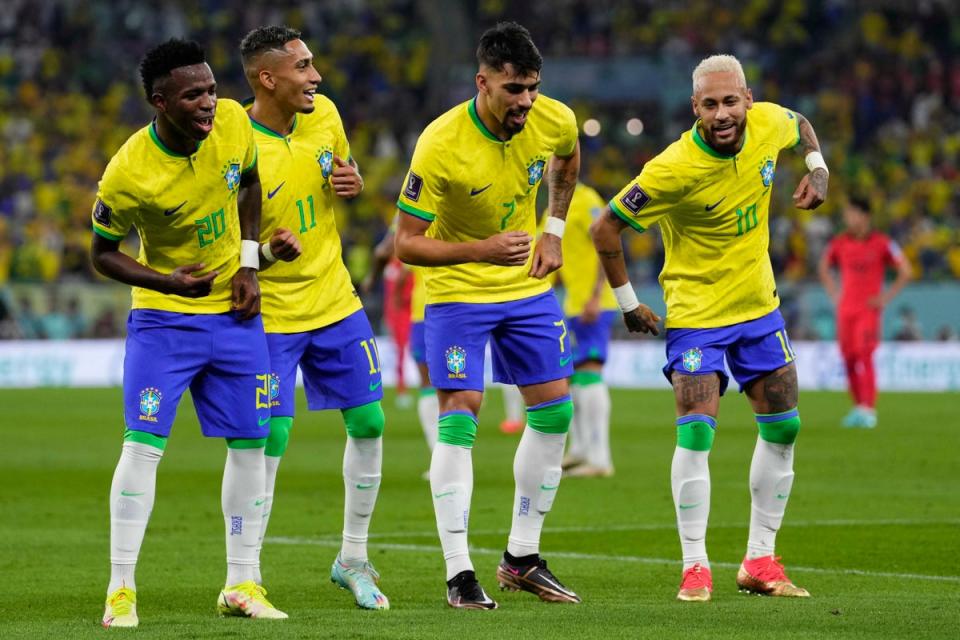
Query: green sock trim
(158, 442)
(584, 378)
(781, 431)
(365, 421)
(695, 435)
(554, 418)
(428, 391)
(246, 443)
(279, 436)
(457, 429)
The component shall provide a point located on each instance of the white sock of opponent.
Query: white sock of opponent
(428, 410)
(362, 458)
(771, 478)
(242, 500)
(595, 404)
(536, 470)
(451, 485)
(131, 501)
(690, 479)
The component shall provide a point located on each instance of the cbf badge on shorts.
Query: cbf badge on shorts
(692, 359)
(274, 390)
(150, 404)
(456, 362)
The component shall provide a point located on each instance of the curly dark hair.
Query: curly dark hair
(159, 61)
(509, 42)
(266, 39)
(859, 203)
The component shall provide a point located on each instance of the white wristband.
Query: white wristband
(626, 297)
(555, 226)
(815, 161)
(267, 253)
(249, 254)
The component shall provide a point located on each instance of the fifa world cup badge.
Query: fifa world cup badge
(456, 362)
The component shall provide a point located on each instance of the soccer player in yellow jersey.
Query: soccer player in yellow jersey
(590, 309)
(311, 313)
(468, 215)
(188, 183)
(710, 193)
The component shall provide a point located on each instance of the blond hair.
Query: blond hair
(720, 63)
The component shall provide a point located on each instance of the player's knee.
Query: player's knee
(553, 416)
(279, 436)
(457, 428)
(246, 443)
(696, 431)
(365, 421)
(779, 428)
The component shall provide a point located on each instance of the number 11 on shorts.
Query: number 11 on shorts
(373, 356)
(788, 353)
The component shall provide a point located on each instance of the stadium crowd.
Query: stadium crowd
(882, 86)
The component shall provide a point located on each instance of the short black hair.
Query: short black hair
(509, 43)
(860, 204)
(266, 39)
(164, 58)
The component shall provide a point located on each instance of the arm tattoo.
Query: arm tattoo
(561, 184)
(693, 392)
(780, 390)
(610, 254)
(808, 137)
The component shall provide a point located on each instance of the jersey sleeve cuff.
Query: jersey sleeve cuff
(106, 234)
(417, 213)
(628, 219)
(253, 163)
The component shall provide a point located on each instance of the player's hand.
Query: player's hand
(285, 245)
(876, 302)
(812, 190)
(507, 249)
(182, 282)
(246, 293)
(591, 311)
(642, 320)
(547, 257)
(346, 180)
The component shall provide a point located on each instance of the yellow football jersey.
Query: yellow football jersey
(418, 299)
(713, 212)
(183, 207)
(581, 265)
(314, 290)
(471, 186)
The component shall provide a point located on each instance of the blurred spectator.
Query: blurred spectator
(946, 333)
(907, 327)
(31, 328)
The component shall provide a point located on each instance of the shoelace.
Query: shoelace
(366, 570)
(695, 578)
(254, 593)
(543, 567)
(121, 604)
(771, 571)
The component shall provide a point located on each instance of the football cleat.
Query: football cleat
(535, 578)
(765, 576)
(511, 426)
(361, 578)
(121, 610)
(464, 592)
(697, 584)
(249, 600)
(587, 471)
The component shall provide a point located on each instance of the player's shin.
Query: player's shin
(690, 480)
(242, 500)
(131, 502)
(275, 448)
(362, 461)
(536, 471)
(451, 485)
(595, 404)
(428, 410)
(771, 478)
(576, 439)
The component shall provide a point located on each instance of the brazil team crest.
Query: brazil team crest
(274, 386)
(456, 362)
(692, 359)
(767, 169)
(325, 160)
(150, 404)
(535, 171)
(231, 173)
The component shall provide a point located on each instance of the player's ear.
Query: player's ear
(267, 79)
(693, 105)
(748, 95)
(158, 101)
(481, 82)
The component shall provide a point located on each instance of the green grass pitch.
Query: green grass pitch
(872, 529)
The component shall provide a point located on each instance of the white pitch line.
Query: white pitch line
(596, 557)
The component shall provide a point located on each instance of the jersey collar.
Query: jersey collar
(706, 148)
(264, 129)
(167, 150)
(475, 117)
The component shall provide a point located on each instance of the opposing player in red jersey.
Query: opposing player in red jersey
(862, 255)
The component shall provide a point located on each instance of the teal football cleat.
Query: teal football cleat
(361, 578)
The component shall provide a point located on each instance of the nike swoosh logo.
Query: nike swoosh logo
(781, 496)
(262, 421)
(441, 495)
(565, 361)
(544, 487)
(259, 502)
(270, 194)
(711, 207)
(374, 385)
(689, 506)
(170, 212)
(131, 494)
(365, 486)
(475, 192)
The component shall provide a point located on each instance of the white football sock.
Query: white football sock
(577, 440)
(428, 409)
(131, 501)
(595, 405)
(512, 403)
(771, 477)
(242, 500)
(536, 471)
(451, 485)
(362, 459)
(271, 464)
(690, 479)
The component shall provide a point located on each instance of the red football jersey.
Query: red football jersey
(862, 264)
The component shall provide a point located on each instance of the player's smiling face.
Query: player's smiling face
(188, 100)
(721, 103)
(509, 95)
(293, 76)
